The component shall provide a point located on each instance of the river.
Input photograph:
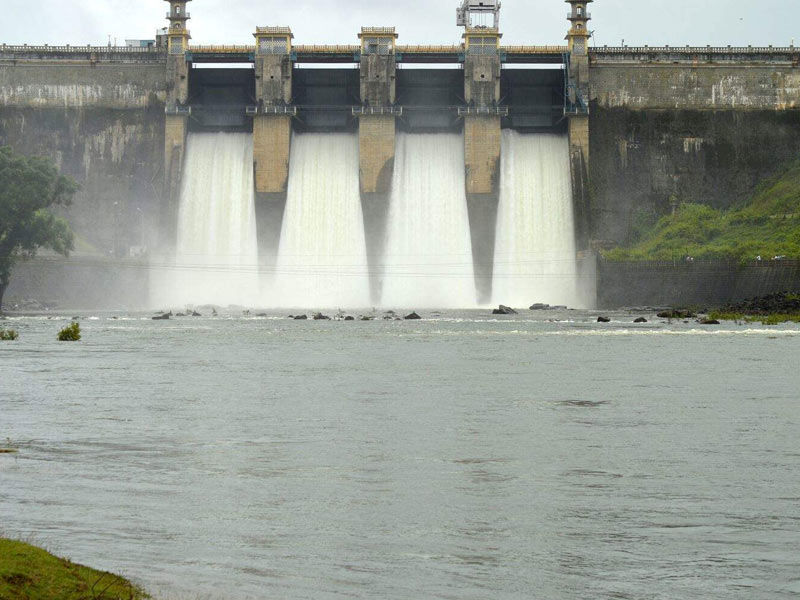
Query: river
(463, 456)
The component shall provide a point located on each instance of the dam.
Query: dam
(377, 173)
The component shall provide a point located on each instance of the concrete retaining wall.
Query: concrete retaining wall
(695, 284)
(46, 85)
(701, 87)
(639, 158)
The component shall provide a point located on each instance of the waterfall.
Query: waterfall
(216, 260)
(428, 257)
(322, 258)
(535, 255)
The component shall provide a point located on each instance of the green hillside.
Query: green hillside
(29, 573)
(767, 226)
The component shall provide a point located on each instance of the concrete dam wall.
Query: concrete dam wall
(705, 125)
(102, 123)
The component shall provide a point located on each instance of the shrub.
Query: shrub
(70, 333)
(8, 335)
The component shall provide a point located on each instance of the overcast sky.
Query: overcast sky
(654, 22)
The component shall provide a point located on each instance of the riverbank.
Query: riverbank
(30, 573)
(768, 310)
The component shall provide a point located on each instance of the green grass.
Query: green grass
(767, 225)
(776, 319)
(70, 333)
(30, 573)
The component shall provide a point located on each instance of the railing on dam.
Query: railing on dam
(695, 54)
(350, 53)
(89, 53)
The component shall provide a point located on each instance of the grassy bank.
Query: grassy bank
(769, 310)
(30, 573)
(767, 225)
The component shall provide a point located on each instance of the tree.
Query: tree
(29, 188)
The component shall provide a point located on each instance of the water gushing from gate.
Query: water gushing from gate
(322, 258)
(535, 254)
(428, 257)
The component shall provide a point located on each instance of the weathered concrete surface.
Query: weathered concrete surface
(376, 147)
(376, 144)
(377, 83)
(663, 86)
(482, 154)
(46, 85)
(482, 80)
(271, 145)
(579, 152)
(115, 155)
(699, 284)
(639, 158)
(273, 75)
(482, 167)
(175, 132)
(272, 137)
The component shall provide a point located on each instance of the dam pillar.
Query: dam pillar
(577, 112)
(482, 126)
(272, 133)
(177, 116)
(376, 140)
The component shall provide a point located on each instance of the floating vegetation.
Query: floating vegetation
(70, 333)
(8, 335)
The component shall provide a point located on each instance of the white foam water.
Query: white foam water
(535, 253)
(322, 258)
(428, 257)
(216, 259)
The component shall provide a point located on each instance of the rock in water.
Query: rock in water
(603, 320)
(504, 310)
(676, 314)
(164, 317)
(708, 322)
(538, 306)
(412, 317)
(301, 318)
(640, 320)
(321, 317)
(349, 318)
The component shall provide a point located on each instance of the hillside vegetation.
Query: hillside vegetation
(29, 573)
(768, 225)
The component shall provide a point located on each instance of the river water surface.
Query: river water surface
(462, 456)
